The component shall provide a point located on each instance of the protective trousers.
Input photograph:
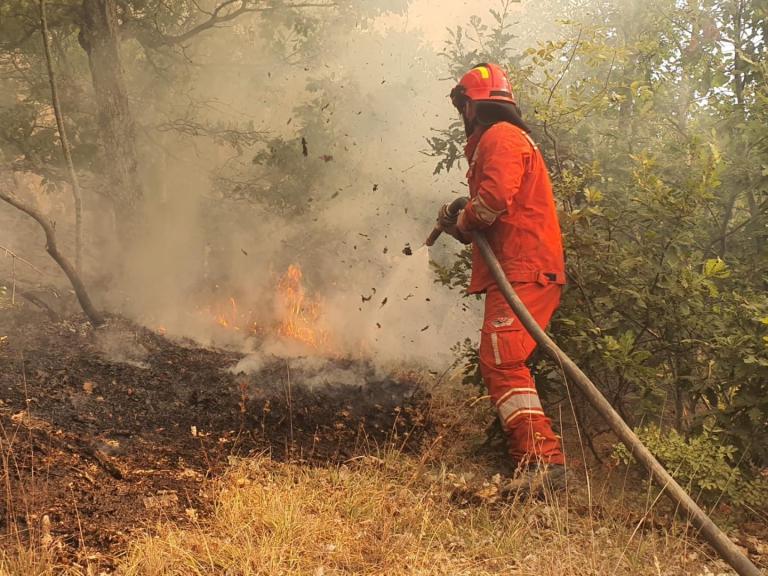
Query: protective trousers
(505, 346)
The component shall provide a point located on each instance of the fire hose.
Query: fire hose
(706, 527)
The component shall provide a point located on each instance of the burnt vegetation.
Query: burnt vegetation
(111, 427)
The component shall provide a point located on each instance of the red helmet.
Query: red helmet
(483, 82)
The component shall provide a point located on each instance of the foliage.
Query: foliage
(164, 50)
(652, 122)
(457, 274)
(704, 465)
(468, 357)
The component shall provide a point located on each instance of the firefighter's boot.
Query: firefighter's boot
(536, 480)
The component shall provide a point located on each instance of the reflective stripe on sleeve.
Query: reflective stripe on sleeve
(530, 140)
(483, 212)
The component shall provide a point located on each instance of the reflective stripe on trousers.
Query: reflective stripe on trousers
(518, 402)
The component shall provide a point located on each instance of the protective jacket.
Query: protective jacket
(511, 200)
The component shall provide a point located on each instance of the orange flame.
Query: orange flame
(300, 314)
(227, 315)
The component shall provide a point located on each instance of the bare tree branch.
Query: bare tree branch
(759, 212)
(228, 11)
(65, 147)
(232, 136)
(551, 137)
(93, 315)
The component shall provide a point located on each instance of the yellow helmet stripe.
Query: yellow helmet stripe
(484, 72)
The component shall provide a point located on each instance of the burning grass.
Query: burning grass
(292, 315)
(348, 471)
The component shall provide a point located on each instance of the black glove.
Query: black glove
(447, 222)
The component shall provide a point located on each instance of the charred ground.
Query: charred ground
(109, 430)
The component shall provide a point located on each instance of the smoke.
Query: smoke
(342, 208)
(259, 151)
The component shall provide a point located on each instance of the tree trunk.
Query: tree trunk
(100, 38)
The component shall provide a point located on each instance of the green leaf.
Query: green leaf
(716, 268)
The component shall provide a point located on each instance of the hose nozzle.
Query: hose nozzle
(453, 209)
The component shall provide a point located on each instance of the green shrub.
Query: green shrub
(704, 465)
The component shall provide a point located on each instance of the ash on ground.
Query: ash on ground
(339, 404)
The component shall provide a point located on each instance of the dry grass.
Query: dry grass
(25, 561)
(381, 517)
(399, 515)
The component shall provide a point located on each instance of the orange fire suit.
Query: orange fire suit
(511, 201)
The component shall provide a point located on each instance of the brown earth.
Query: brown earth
(107, 431)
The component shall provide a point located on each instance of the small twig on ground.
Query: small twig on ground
(102, 460)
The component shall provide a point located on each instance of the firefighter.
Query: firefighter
(511, 201)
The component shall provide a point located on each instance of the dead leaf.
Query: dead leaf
(161, 500)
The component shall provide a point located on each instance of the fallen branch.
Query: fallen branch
(93, 315)
(53, 316)
(87, 448)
